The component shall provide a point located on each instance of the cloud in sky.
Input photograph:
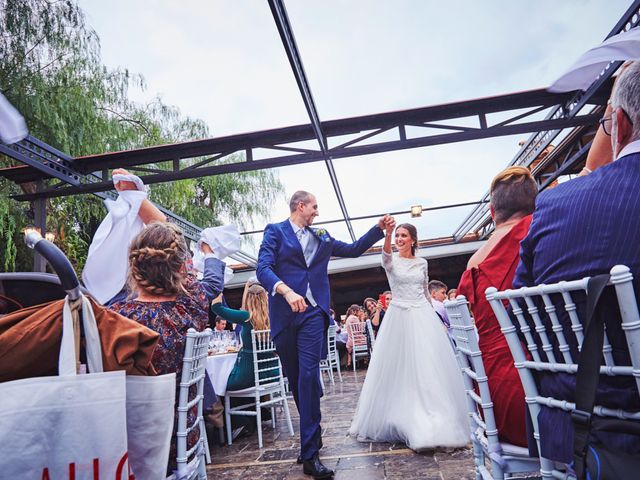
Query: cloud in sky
(223, 62)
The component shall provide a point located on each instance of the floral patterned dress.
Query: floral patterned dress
(172, 320)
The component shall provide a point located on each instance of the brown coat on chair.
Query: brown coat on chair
(30, 342)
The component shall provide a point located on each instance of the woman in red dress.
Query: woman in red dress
(513, 193)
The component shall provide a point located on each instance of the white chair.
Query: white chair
(505, 459)
(358, 338)
(268, 381)
(333, 356)
(191, 462)
(372, 337)
(332, 360)
(549, 332)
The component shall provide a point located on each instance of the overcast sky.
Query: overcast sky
(223, 62)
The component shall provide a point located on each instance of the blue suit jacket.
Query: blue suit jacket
(582, 228)
(281, 258)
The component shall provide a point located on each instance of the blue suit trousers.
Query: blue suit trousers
(299, 346)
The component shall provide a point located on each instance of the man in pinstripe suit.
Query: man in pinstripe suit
(582, 228)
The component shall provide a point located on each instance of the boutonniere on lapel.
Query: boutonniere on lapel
(322, 234)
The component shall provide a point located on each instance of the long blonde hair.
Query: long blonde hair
(256, 302)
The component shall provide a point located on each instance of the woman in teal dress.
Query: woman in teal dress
(254, 315)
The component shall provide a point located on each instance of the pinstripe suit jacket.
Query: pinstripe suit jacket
(582, 228)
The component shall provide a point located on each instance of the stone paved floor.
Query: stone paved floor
(349, 458)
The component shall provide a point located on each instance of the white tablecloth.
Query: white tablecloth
(219, 368)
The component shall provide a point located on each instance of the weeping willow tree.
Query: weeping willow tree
(51, 71)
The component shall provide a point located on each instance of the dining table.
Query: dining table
(219, 368)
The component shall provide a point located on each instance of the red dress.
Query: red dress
(497, 270)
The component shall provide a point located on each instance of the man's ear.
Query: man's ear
(493, 213)
(624, 130)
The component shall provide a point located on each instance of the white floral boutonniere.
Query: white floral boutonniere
(323, 234)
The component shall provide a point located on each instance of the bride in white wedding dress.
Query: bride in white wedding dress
(413, 392)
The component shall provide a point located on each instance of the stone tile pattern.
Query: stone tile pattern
(349, 458)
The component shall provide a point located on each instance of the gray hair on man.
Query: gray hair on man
(626, 95)
(296, 198)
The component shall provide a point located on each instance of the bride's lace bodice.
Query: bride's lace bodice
(408, 278)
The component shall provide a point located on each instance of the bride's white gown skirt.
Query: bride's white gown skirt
(413, 392)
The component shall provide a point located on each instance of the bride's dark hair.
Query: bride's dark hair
(413, 233)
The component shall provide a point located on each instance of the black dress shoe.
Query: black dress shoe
(299, 459)
(316, 469)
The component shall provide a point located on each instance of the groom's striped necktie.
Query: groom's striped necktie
(307, 244)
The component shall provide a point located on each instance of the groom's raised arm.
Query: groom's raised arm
(267, 257)
(357, 248)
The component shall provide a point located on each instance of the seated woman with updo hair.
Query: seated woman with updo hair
(158, 258)
(513, 194)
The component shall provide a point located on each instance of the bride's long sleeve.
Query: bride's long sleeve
(426, 281)
(387, 261)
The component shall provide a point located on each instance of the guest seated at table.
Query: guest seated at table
(375, 313)
(341, 340)
(254, 316)
(513, 193)
(157, 275)
(221, 324)
(355, 315)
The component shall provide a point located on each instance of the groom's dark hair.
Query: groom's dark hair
(296, 198)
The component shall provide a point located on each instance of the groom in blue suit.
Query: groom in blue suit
(292, 267)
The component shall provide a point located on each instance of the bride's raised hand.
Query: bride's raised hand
(389, 225)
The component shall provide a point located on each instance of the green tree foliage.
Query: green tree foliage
(51, 71)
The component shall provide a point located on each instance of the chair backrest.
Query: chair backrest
(356, 331)
(372, 336)
(193, 372)
(266, 364)
(331, 340)
(480, 407)
(557, 331)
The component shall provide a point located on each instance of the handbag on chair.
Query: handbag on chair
(594, 461)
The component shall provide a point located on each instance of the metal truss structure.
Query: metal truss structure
(546, 115)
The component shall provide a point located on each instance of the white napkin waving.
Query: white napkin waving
(224, 241)
(105, 272)
(621, 47)
(12, 125)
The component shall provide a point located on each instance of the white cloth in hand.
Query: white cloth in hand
(12, 125)
(224, 240)
(621, 47)
(105, 272)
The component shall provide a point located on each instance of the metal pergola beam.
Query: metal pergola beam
(45, 161)
(427, 123)
(281, 19)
